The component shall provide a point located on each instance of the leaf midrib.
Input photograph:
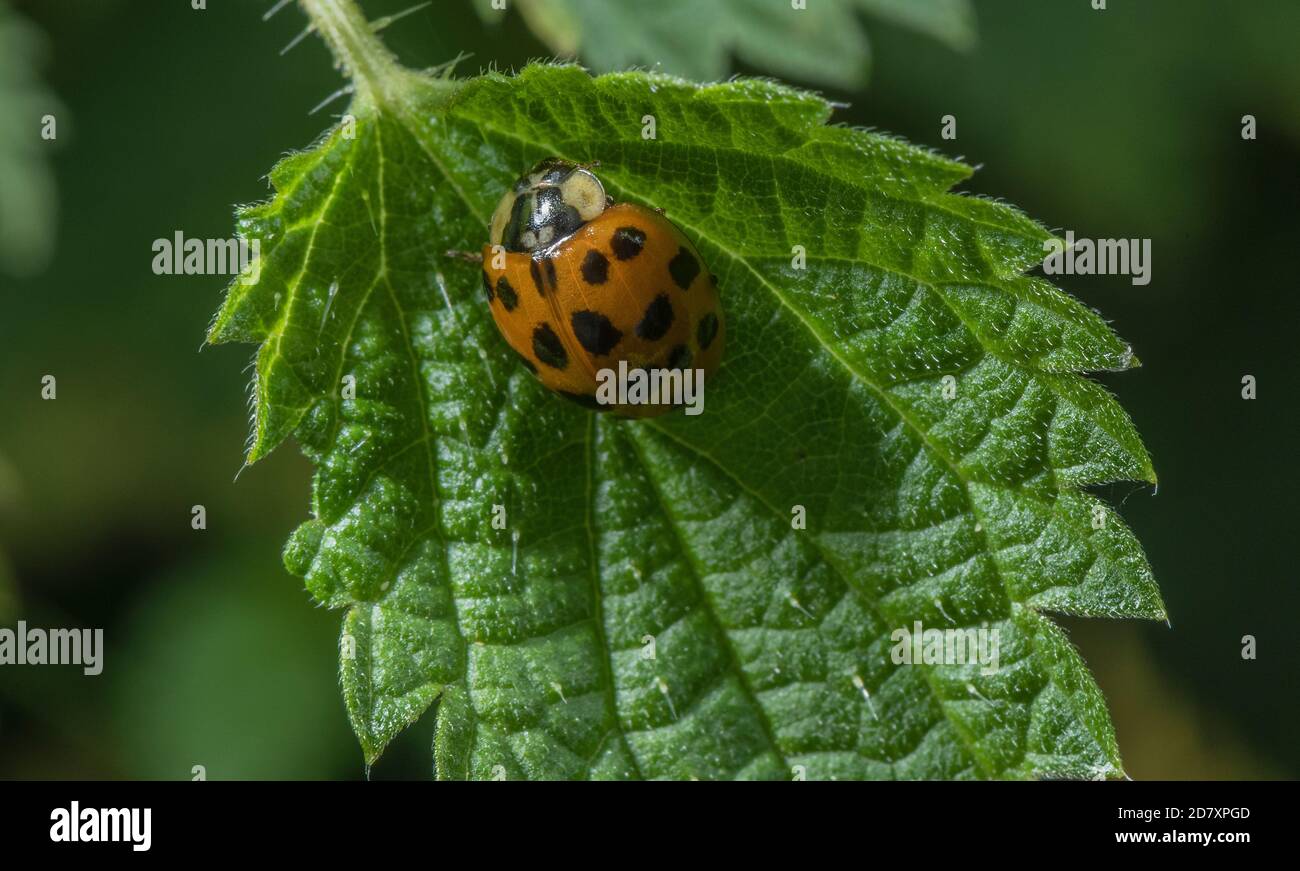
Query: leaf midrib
(882, 394)
(709, 606)
(969, 740)
(870, 603)
(991, 279)
(598, 605)
(856, 373)
(609, 689)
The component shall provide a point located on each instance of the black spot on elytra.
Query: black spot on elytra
(535, 271)
(507, 294)
(627, 242)
(595, 332)
(707, 331)
(548, 347)
(657, 319)
(487, 286)
(542, 269)
(679, 358)
(683, 268)
(595, 268)
(586, 400)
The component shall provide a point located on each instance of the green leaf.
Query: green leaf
(823, 42)
(771, 645)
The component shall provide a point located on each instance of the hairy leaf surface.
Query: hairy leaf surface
(649, 610)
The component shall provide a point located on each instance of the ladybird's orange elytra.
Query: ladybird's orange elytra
(587, 284)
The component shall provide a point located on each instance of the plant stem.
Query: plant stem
(356, 48)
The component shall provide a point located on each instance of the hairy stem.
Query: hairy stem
(357, 50)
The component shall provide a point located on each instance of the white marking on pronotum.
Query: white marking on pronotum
(862, 687)
(663, 688)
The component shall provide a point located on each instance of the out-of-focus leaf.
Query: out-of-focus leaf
(220, 666)
(823, 43)
(27, 198)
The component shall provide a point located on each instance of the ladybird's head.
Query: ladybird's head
(548, 203)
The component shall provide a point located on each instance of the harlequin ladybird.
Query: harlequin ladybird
(578, 284)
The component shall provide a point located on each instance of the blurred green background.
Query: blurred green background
(1117, 123)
